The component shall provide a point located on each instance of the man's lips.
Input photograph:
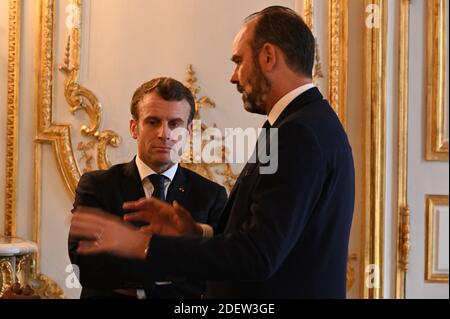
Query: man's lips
(243, 93)
(162, 148)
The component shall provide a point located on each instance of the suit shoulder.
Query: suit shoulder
(107, 174)
(200, 180)
(319, 123)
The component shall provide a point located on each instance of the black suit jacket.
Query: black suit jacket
(285, 235)
(100, 275)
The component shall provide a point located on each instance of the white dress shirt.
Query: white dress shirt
(145, 172)
(282, 103)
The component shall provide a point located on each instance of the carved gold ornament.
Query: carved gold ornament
(318, 73)
(24, 269)
(80, 98)
(405, 235)
(190, 159)
(6, 275)
(351, 271)
(338, 55)
(308, 14)
(58, 136)
(47, 288)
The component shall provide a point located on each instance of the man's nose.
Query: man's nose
(234, 78)
(164, 131)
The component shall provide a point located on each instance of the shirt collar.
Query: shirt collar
(282, 103)
(144, 170)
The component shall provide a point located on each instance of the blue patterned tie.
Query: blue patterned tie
(158, 184)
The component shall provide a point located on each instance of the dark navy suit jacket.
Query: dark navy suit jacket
(283, 235)
(108, 190)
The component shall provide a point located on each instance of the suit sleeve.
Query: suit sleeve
(280, 206)
(100, 271)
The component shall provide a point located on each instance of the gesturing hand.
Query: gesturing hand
(163, 219)
(100, 232)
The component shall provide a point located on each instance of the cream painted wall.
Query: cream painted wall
(55, 223)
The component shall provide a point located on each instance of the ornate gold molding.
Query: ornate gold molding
(191, 160)
(431, 202)
(404, 238)
(12, 116)
(24, 266)
(77, 96)
(47, 132)
(36, 222)
(338, 56)
(375, 148)
(308, 15)
(47, 288)
(200, 103)
(436, 141)
(317, 74)
(351, 271)
(80, 98)
(403, 213)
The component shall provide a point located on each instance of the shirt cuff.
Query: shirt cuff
(208, 231)
(140, 293)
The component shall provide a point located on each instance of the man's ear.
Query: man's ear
(190, 128)
(134, 128)
(268, 57)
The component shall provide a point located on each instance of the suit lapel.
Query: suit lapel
(130, 183)
(179, 188)
(131, 186)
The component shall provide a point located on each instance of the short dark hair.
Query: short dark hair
(167, 88)
(284, 28)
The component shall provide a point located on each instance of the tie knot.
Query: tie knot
(158, 185)
(157, 180)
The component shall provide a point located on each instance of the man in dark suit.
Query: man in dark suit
(284, 233)
(158, 107)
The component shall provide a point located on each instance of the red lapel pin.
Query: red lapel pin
(181, 189)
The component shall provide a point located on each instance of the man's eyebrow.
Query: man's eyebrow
(151, 117)
(176, 119)
(155, 118)
(235, 58)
